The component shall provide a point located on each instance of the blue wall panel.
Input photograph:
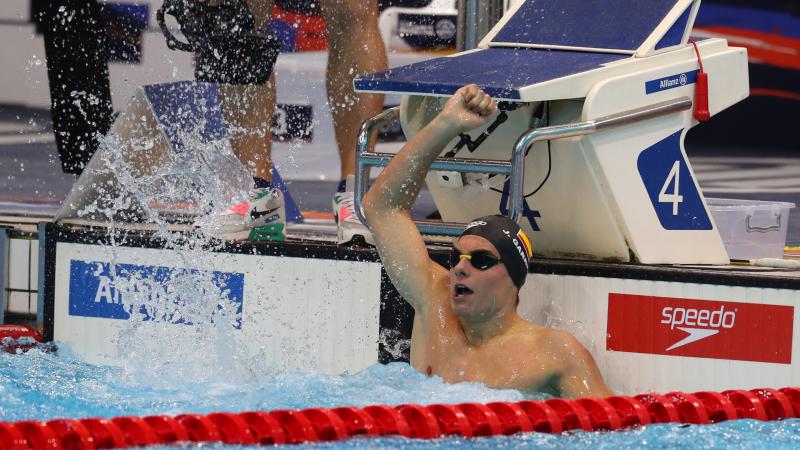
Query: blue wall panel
(611, 24)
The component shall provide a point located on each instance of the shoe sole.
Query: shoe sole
(271, 232)
(356, 240)
(353, 237)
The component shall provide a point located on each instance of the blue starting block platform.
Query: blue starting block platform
(541, 42)
(605, 94)
(487, 68)
(538, 42)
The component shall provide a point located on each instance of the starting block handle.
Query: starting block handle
(514, 168)
(579, 129)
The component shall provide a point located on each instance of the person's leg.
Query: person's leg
(248, 110)
(79, 84)
(355, 48)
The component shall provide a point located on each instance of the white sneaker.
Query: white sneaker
(261, 217)
(348, 227)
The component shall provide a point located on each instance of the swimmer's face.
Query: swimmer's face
(475, 293)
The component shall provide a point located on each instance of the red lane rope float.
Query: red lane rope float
(543, 418)
(512, 417)
(18, 337)
(73, 434)
(412, 421)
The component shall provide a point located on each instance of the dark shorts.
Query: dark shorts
(309, 7)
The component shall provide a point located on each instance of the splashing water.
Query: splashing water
(181, 316)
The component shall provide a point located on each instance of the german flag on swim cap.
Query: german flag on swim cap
(510, 241)
(526, 243)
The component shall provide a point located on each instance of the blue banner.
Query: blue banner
(94, 291)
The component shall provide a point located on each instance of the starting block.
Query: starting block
(160, 121)
(590, 158)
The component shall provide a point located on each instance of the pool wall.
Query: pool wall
(321, 307)
(303, 309)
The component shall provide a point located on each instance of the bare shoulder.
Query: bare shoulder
(560, 339)
(558, 347)
(552, 360)
(579, 374)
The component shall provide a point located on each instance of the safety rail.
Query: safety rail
(408, 420)
(514, 168)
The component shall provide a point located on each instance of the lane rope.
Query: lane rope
(407, 420)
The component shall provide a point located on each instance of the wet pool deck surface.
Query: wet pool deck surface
(31, 176)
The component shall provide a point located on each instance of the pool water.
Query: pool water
(43, 386)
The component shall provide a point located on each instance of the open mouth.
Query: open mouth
(460, 290)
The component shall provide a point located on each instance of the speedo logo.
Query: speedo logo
(686, 327)
(699, 323)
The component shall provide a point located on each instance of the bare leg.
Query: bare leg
(248, 110)
(356, 48)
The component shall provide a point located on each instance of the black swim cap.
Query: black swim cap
(509, 240)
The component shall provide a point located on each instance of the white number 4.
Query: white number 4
(674, 197)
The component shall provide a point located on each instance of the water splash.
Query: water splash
(182, 319)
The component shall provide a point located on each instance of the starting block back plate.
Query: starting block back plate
(615, 25)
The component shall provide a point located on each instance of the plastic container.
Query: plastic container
(751, 229)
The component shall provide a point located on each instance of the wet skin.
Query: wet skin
(475, 334)
(466, 327)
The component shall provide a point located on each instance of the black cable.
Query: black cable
(549, 169)
(549, 160)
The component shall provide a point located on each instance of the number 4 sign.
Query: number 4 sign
(675, 198)
(671, 186)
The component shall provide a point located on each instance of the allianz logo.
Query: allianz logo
(108, 293)
(699, 323)
(674, 81)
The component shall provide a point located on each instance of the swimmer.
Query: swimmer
(466, 326)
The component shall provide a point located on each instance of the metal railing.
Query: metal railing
(514, 168)
(475, 19)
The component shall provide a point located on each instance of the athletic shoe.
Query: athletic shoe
(348, 227)
(261, 217)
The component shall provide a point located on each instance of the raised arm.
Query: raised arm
(387, 205)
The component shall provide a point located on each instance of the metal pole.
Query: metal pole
(4, 269)
(475, 19)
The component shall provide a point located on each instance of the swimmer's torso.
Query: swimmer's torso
(439, 347)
